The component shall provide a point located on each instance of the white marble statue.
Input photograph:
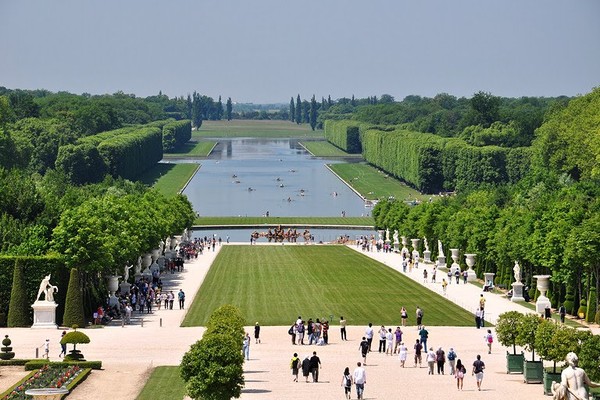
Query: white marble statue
(126, 272)
(387, 234)
(517, 271)
(440, 249)
(426, 244)
(573, 381)
(185, 236)
(138, 266)
(47, 289)
(396, 236)
(168, 244)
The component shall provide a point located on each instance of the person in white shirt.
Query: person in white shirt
(360, 379)
(369, 334)
(389, 340)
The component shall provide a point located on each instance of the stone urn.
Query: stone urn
(146, 262)
(404, 244)
(155, 254)
(415, 245)
(543, 283)
(470, 261)
(112, 282)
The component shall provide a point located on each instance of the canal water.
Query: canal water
(253, 177)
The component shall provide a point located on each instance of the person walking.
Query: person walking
(404, 316)
(294, 366)
(478, 367)
(364, 349)
(389, 342)
(347, 383)
(440, 359)
(459, 374)
(402, 354)
(398, 337)
(343, 328)
(444, 286)
(293, 332)
(256, 333)
(369, 334)
(181, 298)
(562, 311)
(418, 349)
(424, 335)
(46, 347)
(63, 346)
(382, 338)
(430, 358)
(171, 298)
(315, 364)
(300, 332)
(360, 379)
(489, 339)
(478, 318)
(306, 368)
(419, 314)
(452, 360)
(482, 307)
(246, 346)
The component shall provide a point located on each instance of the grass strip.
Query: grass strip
(348, 221)
(326, 149)
(255, 129)
(169, 179)
(164, 383)
(275, 284)
(374, 184)
(193, 149)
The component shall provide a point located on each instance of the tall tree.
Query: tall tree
(197, 110)
(298, 110)
(313, 113)
(229, 109)
(219, 109)
(292, 109)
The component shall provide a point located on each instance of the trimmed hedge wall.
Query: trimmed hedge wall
(432, 163)
(344, 134)
(176, 134)
(35, 269)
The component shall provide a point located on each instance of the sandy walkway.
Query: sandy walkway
(129, 353)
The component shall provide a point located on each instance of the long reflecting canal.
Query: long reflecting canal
(253, 177)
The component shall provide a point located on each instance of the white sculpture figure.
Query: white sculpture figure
(138, 266)
(387, 234)
(426, 244)
(168, 244)
(396, 236)
(440, 249)
(126, 272)
(185, 237)
(517, 271)
(573, 381)
(161, 246)
(47, 289)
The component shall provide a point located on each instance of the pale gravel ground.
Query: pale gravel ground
(129, 354)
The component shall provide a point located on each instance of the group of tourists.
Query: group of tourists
(315, 332)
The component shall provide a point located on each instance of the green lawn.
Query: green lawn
(255, 129)
(193, 149)
(362, 221)
(169, 178)
(275, 284)
(323, 148)
(374, 184)
(164, 383)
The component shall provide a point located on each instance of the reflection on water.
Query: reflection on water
(250, 177)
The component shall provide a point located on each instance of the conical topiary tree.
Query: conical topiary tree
(74, 314)
(18, 309)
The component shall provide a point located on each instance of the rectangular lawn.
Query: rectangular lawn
(275, 284)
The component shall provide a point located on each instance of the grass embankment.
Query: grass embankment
(164, 383)
(168, 179)
(255, 129)
(373, 184)
(275, 284)
(193, 149)
(221, 221)
(323, 148)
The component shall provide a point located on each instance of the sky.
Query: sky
(266, 51)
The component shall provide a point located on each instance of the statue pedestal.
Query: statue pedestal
(441, 261)
(427, 256)
(396, 247)
(471, 275)
(124, 287)
(517, 292)
(44, 314)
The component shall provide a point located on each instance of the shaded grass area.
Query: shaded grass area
(193, 149)
(275, 284)
(354, 221)
(374, 184)
(326, 149)
(168, 178)
(164, 383)
(255, 129)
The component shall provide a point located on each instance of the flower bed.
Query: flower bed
(46, 377)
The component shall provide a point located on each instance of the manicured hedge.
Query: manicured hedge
(175, 134)
(344, 134)
(35, 269)
(39, 363)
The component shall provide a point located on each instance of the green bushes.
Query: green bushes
(39, 363)
(591, 310)
(344, 134)
(74, 338)
(74, 314)
(213, 367)
(18, 313)
(175, 134)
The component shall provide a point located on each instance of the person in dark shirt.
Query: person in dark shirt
(315, 364)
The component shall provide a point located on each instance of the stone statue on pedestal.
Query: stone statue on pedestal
(396, 236)
(426, 244)
(440, 249)
(517, 271)
(44, 311)
(126, 272)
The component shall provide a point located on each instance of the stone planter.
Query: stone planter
(533, 371)
(514, 363)
(47, 393)
(549, 377)
(112, 282)
(470, 261)
(543, 282)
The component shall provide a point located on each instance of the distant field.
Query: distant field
(374, 184)
(220, 221)
(255, 129)
(275, 284)
(193, 149)
(326, 149)
(164, 383)
(168, 178)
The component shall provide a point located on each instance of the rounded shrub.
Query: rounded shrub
(7, 352)
(75, 338)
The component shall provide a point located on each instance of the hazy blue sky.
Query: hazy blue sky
(269, 50)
